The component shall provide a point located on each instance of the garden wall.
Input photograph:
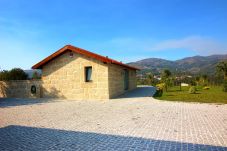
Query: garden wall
(20, 89)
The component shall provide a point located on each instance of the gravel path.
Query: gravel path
(134, 123)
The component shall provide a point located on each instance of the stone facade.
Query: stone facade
(19, 89)
(116, 80)
(64, 77)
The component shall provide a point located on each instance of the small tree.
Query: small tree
(36, 75)
(197, 80)
(150, 79)
(204, 79)
(166, 78)
(4, 75)
(222, 68)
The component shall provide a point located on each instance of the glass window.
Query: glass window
(88, 72)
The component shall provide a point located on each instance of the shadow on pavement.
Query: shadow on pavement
(10, 102)
(31, 138)
(143, 91)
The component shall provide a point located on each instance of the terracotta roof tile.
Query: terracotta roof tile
(83, 52)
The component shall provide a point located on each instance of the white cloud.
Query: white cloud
(201, 45)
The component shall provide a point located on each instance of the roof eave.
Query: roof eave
(80, 51)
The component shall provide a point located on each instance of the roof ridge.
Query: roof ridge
(80, 51)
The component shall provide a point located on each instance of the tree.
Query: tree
(166, 73)
(14, 74)
(4, 75)
(222, 68)
(17, 74)
(204, 79)
(36, 75)
(197, 79)
(166, 78)
(150, 79)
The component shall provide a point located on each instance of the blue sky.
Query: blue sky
(126, 30)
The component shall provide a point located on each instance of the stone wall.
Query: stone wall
(19, 89)
(116, 80)
(64, 77)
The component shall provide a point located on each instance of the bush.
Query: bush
(225, 86)
(159, 89)
(160, 86)
(192, 90)
(14, 74)
(206, 88)
(158, 92)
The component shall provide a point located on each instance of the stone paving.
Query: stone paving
(134, 123)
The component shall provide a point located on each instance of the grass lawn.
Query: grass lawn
(214, 95)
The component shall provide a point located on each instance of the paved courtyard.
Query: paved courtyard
(131, 122)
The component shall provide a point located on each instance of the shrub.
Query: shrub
(225, 86)
(160, 85)
(158, 92)
(192, 90)
(206, 88)
(159, 89)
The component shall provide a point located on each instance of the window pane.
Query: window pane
(88, 72)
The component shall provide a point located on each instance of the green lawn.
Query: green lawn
(214, 95)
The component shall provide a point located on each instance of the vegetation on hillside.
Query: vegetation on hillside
(13, 74)
(201, 88)
(196, 65)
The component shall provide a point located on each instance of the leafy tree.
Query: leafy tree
(225, 86)
(204, 79)
(17, 74)
(166, 74)
(150, 79)
(36, 75)
(4, 75)
(197, 80)
(14, 74)
(222, 68)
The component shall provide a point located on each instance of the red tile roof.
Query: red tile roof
(83, 52)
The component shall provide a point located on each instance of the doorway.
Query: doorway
(126, 79)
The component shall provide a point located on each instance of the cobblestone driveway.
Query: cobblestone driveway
(137, 123)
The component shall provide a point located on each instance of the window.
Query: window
(88, 72)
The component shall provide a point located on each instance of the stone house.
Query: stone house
(75, 73)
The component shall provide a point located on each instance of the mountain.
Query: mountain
(193, 65)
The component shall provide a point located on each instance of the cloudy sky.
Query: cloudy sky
(126, 30)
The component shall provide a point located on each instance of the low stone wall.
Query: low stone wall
(20, 89)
